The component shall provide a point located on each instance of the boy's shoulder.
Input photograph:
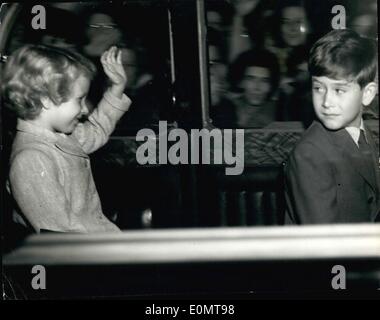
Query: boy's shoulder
(317, 142)
(316, 136)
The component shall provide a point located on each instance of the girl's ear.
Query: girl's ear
(46, 103)
(369, 93)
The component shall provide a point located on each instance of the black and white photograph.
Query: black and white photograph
(175, 151)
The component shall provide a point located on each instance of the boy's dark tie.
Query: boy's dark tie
(366, 151)
(363, 145)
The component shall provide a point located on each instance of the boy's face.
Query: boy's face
(256, 85)
(338, 103)
(65, 117)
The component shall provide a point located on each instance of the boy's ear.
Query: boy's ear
(369, 93)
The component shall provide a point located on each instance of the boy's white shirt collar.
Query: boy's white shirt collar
(355, 132)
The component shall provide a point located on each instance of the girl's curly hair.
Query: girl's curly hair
(35, 72)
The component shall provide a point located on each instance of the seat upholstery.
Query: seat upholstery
(254, 198)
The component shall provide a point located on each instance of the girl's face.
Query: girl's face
(65, 117)
(294, 26)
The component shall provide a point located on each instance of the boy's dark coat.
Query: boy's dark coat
(327, 181)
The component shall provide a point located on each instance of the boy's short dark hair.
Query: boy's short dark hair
(34, 72)
(255, 58)
(343, 54)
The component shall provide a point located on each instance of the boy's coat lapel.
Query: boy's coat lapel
(376, 156)
(376, 160)
(350, 151)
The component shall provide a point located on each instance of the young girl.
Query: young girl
(50, 173)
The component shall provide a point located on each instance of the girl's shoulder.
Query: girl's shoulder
(28, 146)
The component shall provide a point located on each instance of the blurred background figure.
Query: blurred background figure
(291, 28)
(218, 67)
(365, 23)
(219, 14)
(281, 27)
(294, 98)
(135, 65)
(101, 31)
(148, 91)
(218, 71)
(254, 76)
(148, 83)
(294, 24)
(62, 29)
(259, 24)
(290, 43)
(237, 21)
(362, 18)
(221, 106)
(239, 36)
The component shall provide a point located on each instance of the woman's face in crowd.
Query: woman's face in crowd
(365, 25)
(256, 85)
(214, 20)
(294, 26)
(102, 33)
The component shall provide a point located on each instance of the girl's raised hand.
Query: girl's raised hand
(113, 68)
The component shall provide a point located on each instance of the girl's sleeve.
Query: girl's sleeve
(35, 185)
(94, 133)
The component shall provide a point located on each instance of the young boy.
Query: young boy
(50, 173)
(332, 175)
